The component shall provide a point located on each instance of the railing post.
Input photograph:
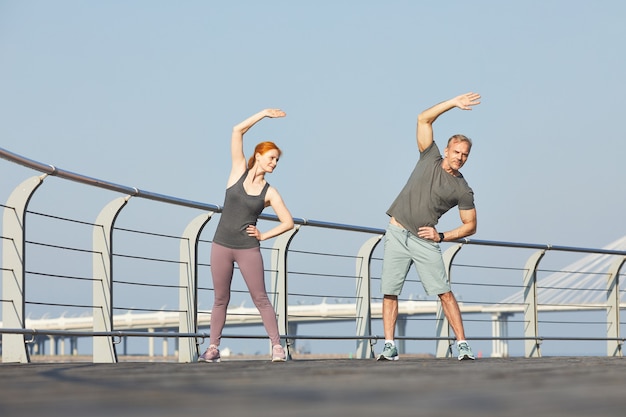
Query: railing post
(364, 297)
(103, 347)
(188, 292)
(442, 326)
(531, 317)
(500, 331)
(279, 282)
(614, 347)
(14, 269)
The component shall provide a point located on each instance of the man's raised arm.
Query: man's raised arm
(426, 118)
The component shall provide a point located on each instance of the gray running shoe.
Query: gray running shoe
(465, 352)
(390, 353)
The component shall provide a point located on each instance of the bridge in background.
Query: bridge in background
(165, 323)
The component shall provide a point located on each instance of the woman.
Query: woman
(237, 237)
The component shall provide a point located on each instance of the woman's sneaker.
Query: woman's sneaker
(278, 354)
(390, 353)
(465, 352)
(212, 354)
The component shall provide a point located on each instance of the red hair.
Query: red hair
(262, 148)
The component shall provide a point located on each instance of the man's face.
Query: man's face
(456, 153)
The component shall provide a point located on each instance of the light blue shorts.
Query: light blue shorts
(402, 249)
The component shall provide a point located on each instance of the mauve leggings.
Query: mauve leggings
(250, 264)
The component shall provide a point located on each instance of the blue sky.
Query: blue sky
(145, 93)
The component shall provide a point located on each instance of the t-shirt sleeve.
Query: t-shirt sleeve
(466, 202)
(431, 152)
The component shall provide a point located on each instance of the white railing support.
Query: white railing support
(614, 347)
(188, 292)
(103, 347)
(364, 296)
(14, 269)
(532, 344)
(279, 282)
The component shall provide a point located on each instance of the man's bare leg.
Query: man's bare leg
(453, 314)
(390, 316)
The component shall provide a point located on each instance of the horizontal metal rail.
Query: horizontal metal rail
(136, 192)
(203, 335)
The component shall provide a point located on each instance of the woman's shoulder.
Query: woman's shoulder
(236, 176)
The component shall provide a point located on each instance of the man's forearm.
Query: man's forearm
(460, 232)
(430, 115)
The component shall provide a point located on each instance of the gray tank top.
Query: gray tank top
(240, 210)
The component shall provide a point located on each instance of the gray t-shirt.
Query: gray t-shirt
(240, 210)
(429, 193)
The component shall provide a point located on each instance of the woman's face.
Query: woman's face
(268, 161)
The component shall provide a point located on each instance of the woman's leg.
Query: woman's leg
(250, 264)
(222, 265)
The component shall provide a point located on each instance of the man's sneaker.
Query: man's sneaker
(465, 352)
(278, 354)
(212, 354)
(390, 353)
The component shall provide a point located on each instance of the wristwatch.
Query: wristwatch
(440, 237)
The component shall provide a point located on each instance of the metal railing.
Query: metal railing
(52, 264)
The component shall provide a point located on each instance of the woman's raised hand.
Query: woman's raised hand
(275, 113)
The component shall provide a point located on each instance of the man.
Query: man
(434, 187)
